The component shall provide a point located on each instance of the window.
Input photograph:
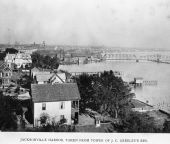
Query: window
(43, 106)
(62, 106)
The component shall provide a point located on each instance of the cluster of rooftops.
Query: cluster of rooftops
(53, 86)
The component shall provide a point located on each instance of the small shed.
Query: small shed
(138, 80)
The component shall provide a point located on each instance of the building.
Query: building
(58, 101)
(9, 59)
(138, 81)
(57, 78)
(19, 59)
(60, 77)
(42, 77)
(22, 59)
(34, 71)
(5, 74)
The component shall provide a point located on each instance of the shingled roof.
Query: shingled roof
(55, 92)
(43, 76)
(3, 66)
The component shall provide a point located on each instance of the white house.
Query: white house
(44, 76)
(5, 74)
(20, 59)
(9, 59)
(58, 101)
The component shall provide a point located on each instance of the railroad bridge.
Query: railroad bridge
(136, 56)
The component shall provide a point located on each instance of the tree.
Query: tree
(8, 119)
(44, 118)
(104, 93)
(86, 90)
(55, 62)
(44, 61)
(25, 81)
(112, 94)
(37, 60)
(166, 126)
(47, 61)
(55, 128)
(137, 123)
(11, 50)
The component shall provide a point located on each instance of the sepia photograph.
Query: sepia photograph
(96, 69)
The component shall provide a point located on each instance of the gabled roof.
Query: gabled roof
(58, 75)
(3, 66)
(42, 77)
(55, 92)
(7, 69)
(35, 69)
(2, 63)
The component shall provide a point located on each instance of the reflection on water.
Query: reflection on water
(157, 95)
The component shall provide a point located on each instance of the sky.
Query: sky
(116, 23)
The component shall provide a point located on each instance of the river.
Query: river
(157, 95)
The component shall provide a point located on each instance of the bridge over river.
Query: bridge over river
(137, 56)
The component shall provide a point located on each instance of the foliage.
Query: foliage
(166, 125)
(9, 109)
(62, 121)
(55, 128)
(44, 61)
(104, 93)
(25, 81)
(137, 123)
(28, 114)
(11, 50)
(44, 118)
(8, 119)
(2, 56)
(86, 90)
(112, 94)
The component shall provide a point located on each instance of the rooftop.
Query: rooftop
(43, 76)
(35, 69)
(3, 66)
(55, 92)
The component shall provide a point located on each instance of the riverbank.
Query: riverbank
(155, 94)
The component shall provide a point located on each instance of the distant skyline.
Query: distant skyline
(113, 23)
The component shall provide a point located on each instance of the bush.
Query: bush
(44, 118)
